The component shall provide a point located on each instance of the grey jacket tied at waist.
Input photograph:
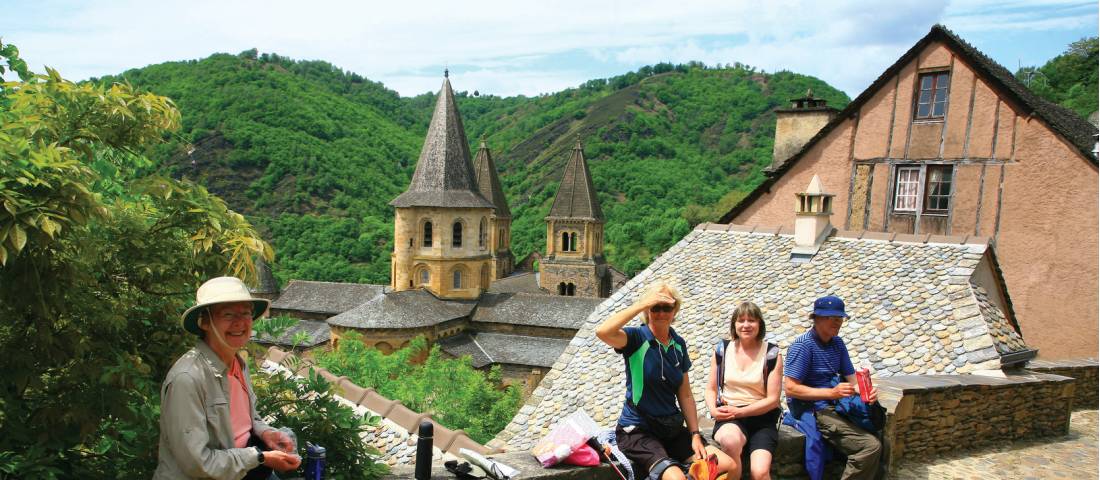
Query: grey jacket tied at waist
(196, 434)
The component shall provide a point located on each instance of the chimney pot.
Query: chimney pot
(811, 224)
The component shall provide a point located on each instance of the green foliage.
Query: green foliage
(1070, 79)
(97, 260)
(313, 154)
(310, 409)
(458, 396)
(300, 140)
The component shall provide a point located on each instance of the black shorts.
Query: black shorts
(761, 431)
(644, 449)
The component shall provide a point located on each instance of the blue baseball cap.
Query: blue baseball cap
(829, 306)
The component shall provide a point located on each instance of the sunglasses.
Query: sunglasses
(661, 308)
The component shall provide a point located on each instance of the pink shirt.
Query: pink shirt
(240, 416)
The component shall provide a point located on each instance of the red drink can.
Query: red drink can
(864, 379)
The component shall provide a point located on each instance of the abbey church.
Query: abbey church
(453, 277)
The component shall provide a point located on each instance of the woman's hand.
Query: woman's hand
(277, 440)
(281, 461)
(698, 447)
(724, 412)
(658, 297)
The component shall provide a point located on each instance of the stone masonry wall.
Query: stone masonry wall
(938, 414)
(1084, 371)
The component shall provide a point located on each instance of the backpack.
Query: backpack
(770, 360)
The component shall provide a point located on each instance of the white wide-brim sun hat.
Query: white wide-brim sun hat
(220, 290)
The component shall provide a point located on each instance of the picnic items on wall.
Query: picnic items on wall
(565, 437)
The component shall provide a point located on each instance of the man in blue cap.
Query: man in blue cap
(813, 362)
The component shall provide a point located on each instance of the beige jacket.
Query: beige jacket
(196, 437)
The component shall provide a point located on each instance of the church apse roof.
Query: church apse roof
(444, 175)
(488, 181)
(329, 298)
(576, 198)
(488, 348)
(918, 305)
(407, 309)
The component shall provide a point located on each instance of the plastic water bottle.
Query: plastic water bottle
(315, 462)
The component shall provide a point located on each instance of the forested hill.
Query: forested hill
(313, 154)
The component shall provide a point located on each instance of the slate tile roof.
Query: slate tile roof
(327, 298)
(534, 310)
(488, 181)
(914, 310)
(444, 175)
(520, 282)
(488, 348)
(576, 197)
(407, 309)
(317, 333)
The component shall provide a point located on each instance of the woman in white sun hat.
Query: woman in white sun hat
(208, 422)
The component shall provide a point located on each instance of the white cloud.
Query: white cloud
(511, 47)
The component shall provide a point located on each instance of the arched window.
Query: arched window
(481, 233)
(561, 288)
(500, 239)
(570, 289)
(568, 241)
(425, 276)
(457, 279)
(456, 235)
(427, 234)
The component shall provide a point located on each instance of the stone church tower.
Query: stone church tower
(574, 263)
(500, 222)
(441, 221)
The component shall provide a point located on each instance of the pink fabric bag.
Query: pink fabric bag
(583, 456)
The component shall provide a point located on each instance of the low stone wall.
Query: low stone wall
(1084, 371)
(938, 414)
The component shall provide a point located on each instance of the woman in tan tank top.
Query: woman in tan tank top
(745, 407)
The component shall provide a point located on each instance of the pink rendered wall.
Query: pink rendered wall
(1047, 245)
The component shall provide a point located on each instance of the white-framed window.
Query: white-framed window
(907, 189)
(923, 187)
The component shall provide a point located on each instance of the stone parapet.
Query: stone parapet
(1084, 371)
(932, 415)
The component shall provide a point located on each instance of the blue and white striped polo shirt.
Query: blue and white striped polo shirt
(815, 363)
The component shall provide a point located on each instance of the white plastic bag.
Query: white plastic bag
(566, 436)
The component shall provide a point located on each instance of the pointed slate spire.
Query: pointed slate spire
(576, 197)
(444, 176)
(488, 183)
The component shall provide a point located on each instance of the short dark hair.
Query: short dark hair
(750, 309)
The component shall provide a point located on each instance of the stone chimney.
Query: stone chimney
(811, 221)
(796, 125)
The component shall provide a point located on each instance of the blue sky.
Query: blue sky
(510, 47)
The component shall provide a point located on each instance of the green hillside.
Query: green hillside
(313, 154)
(1070, 79)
